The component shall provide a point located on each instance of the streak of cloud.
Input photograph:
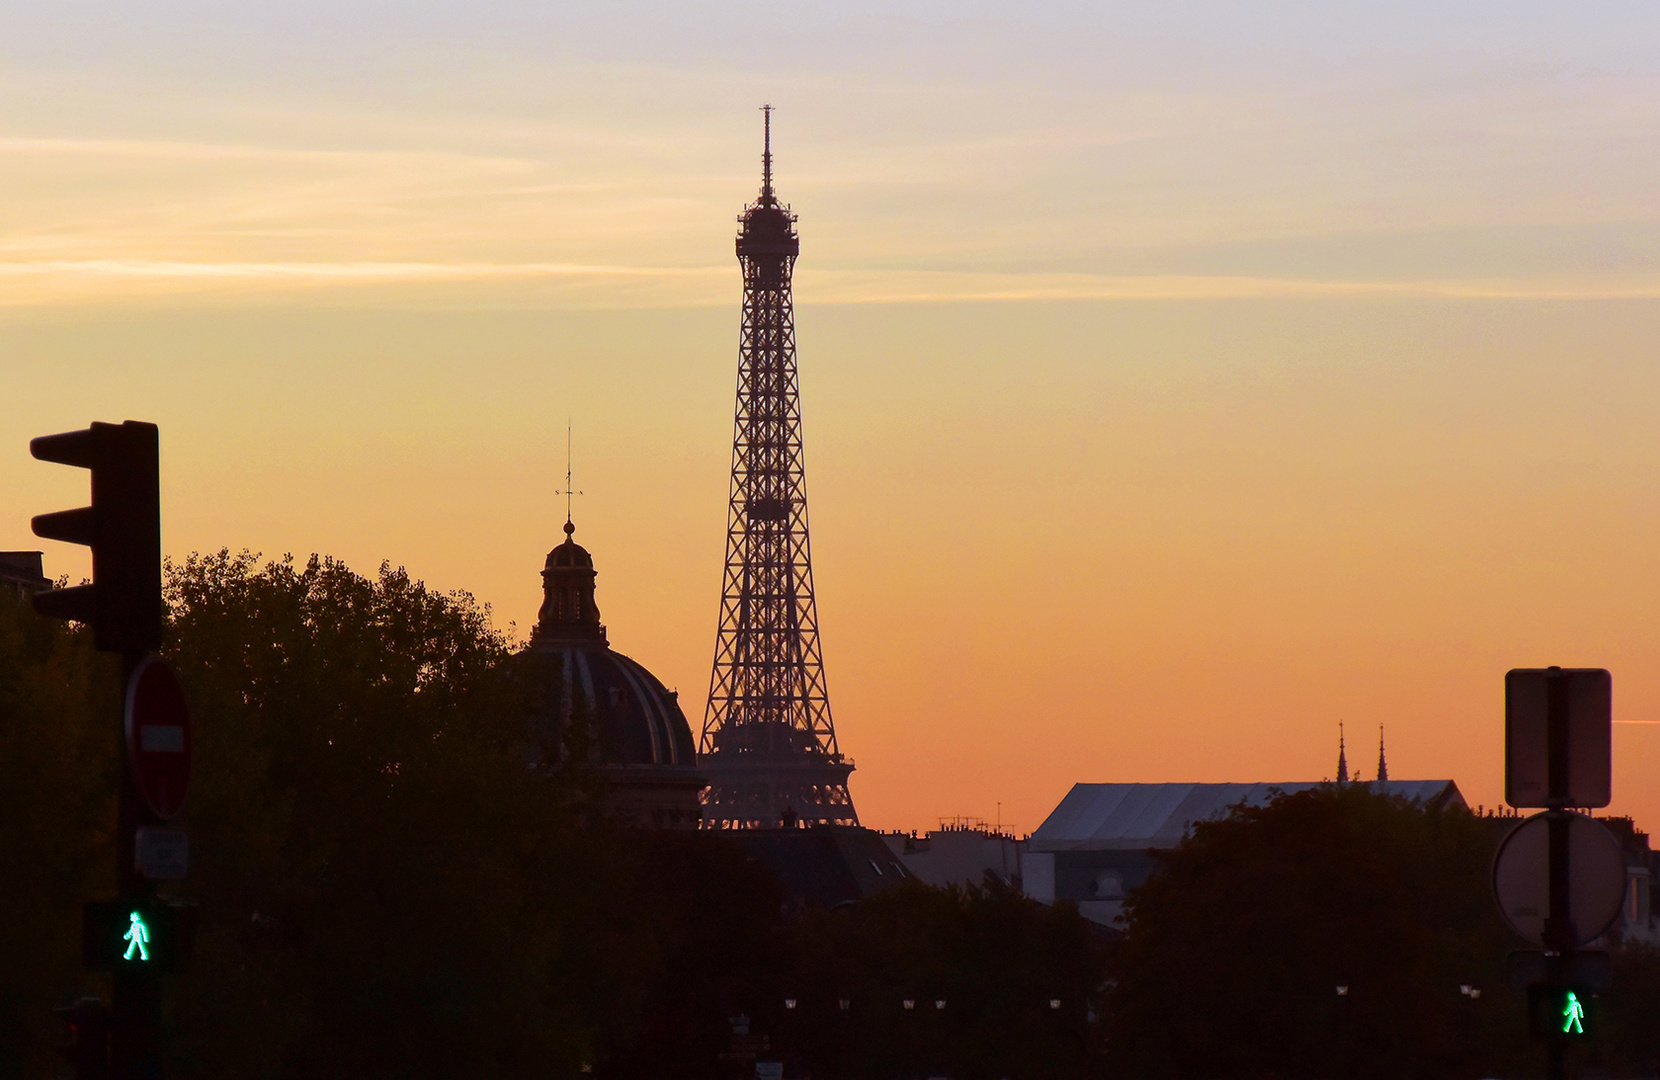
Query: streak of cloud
(65, 281)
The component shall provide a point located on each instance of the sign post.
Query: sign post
(1557, 755)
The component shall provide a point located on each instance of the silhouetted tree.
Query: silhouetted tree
(1630, 1011)
(1236, 945)
(386, 890)
(994, 957)
(58, 729)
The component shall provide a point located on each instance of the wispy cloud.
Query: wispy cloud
(536, 284)
(362, 271)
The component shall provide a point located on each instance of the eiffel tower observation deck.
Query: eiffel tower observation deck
(769, 746)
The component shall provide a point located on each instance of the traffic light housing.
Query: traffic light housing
(86, 1048)
(1561, 1012)
(141, 937)
(122, 526)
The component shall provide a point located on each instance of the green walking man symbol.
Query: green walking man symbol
(1572, 1013)
(139, 935)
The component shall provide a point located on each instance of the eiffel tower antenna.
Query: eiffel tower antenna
(769, 746)
(567, 490)
(766, 157)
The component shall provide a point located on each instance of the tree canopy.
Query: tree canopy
(370, 854)
(1237, 945)
(387, 890)
(57, 802)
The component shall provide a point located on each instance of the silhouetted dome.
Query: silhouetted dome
(589, 701)
(594, 704)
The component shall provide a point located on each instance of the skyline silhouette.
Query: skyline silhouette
(1181, 382)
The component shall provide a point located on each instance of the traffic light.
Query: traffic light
(123, 528)
(1561, 1012)
(143, 937)
(87, 1047)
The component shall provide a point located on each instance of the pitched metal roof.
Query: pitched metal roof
(1096, 817)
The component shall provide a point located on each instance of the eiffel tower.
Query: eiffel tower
(769, 747)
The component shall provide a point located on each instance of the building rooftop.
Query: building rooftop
(21, 573)
(1095, 817)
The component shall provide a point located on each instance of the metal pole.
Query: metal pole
(135, 1004)
(1559, 927)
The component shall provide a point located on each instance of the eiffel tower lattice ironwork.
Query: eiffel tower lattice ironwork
(769, 747)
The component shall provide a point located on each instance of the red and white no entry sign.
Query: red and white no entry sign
(158, 736)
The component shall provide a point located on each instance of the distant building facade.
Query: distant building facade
(1637, 920)
(959, 853)
(1102, 840)
(21, 574)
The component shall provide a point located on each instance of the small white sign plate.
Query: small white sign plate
(162, 854)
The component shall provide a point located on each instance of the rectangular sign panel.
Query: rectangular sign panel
(161, 854)
(1581, 701)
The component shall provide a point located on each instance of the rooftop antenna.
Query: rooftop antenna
(766, 156)
(568, 490)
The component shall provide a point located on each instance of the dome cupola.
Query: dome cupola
(568, 612)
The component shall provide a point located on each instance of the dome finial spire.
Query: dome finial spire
(568, 490)
(766, 157)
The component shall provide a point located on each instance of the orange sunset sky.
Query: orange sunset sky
(1179, 380)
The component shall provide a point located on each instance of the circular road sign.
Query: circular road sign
(1596, 869)
(158, 736)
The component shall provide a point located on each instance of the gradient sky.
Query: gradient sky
(1179, 379)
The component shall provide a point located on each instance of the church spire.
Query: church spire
(1383, 766)
(1342, 759)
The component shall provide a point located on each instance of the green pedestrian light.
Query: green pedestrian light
(138, 934)
(1562, 1012)
(1572, 1013)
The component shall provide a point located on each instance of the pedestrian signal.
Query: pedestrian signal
(143, 937)
(137, 937)
(1561, 1012)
